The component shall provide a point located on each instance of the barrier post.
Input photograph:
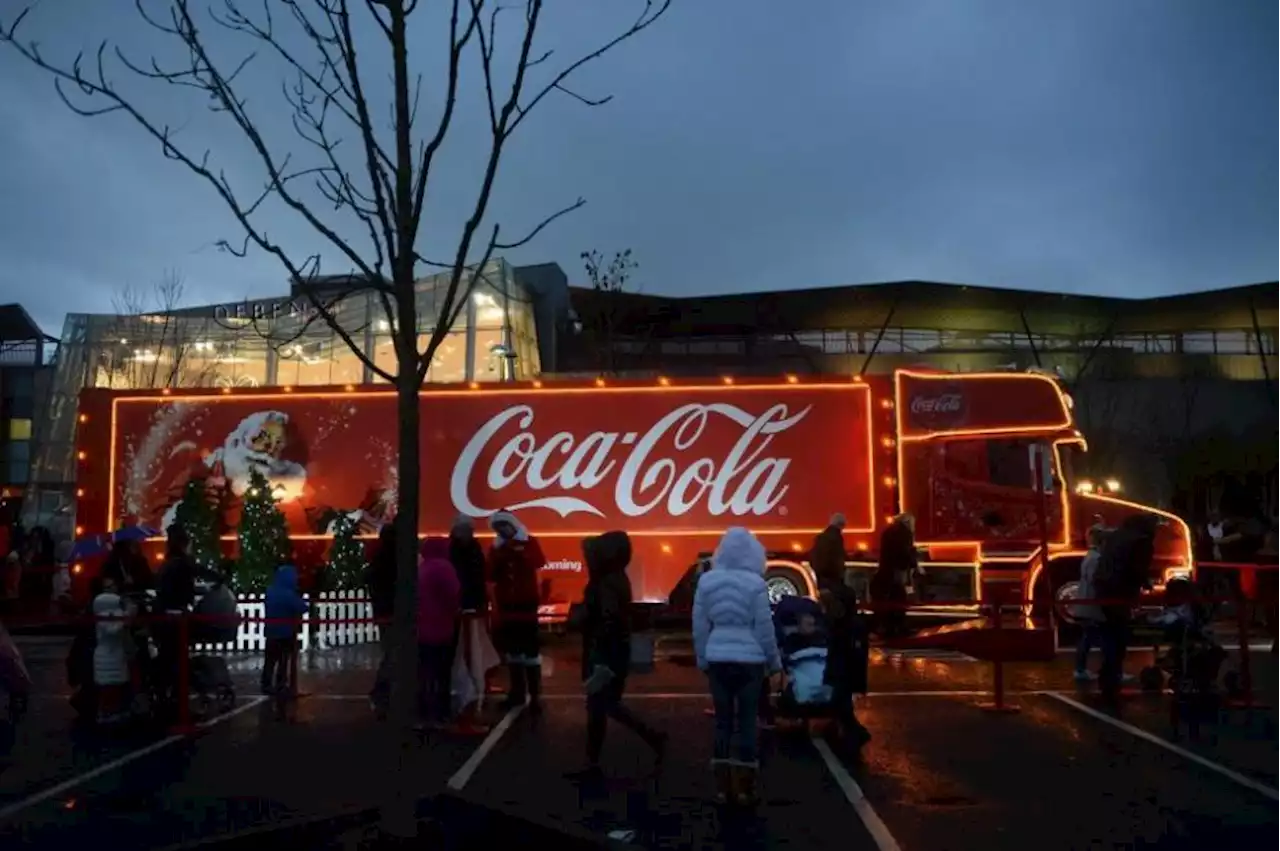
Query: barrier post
(1243, 620)
(183, 692)
(998, 703)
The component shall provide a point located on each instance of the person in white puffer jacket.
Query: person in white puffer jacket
(737, 648)
(112, 652)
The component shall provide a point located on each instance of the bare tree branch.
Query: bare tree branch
(326, 90)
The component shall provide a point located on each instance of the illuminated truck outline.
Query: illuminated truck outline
(888, 439)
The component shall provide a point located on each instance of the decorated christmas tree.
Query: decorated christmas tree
(264, 536)
(346, 554)
(197, 513)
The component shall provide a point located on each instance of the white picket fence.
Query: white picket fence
(317, 632)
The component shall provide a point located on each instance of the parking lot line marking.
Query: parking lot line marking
(119, 762)
(463, 775)
(702, 695)
(1138, 732)
(853, 792)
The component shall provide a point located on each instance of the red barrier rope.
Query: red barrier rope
(991, 608)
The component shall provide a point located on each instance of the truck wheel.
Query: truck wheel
(783, 582)
(1066, 593)
(1068, 624)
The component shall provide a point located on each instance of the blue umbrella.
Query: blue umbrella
(135, 533)
(90, 546)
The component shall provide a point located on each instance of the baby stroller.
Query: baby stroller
(801, 627)
(1192, 660)
(216, 622)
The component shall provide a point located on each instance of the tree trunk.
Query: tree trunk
(399, 813)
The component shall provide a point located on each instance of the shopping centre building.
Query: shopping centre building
(507, 329)
(1166, 388)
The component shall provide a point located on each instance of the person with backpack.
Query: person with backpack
(1124, 569)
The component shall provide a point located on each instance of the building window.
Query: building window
(17, 462)
(20, 429)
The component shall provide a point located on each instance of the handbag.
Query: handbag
(463, 687)
(600, 677)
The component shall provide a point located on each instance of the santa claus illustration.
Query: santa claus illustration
(264, 442)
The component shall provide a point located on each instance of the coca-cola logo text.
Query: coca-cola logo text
(943, 408)
(665, 468)
(947, 403)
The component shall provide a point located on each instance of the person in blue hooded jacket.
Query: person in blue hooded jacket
(284, 608)
(735, 644)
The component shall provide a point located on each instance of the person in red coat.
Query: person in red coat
(514, 562)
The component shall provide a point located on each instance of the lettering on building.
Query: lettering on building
(265, 311)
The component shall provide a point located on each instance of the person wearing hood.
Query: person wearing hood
(1124, 569)
(606, 644)
(736, 646)
(283, 608)
(514, 562)
(111, 652)
(476, 648)
(439, 607)
(380, 582)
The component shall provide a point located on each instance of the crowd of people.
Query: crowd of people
(478, 611)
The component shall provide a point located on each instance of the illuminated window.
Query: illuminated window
(19, 429)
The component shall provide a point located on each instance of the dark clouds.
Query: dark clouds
(1090, 146)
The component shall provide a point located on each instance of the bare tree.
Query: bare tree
(333, 52)
(608, 281)
(156, 347)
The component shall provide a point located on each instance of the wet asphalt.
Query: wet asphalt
(940, 773)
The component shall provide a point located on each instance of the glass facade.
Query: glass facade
(267, 343)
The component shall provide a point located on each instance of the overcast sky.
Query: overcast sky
(1088, 146)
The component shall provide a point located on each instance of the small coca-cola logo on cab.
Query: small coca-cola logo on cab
(941, 408)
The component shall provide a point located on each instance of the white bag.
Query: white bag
(464, 690)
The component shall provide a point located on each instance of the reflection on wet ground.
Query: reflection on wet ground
(940, 772)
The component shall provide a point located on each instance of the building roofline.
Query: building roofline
(16, 325)
(888, 287)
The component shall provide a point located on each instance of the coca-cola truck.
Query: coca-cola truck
(983, 461)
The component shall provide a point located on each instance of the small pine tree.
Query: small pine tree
(264, 536)
(198, 515)
(346, 555)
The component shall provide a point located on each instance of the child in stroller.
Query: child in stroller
(801, 627)
(216, 622)
(1193, 658)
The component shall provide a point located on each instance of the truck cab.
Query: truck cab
(986, 466)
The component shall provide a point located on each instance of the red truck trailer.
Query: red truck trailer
(983, 461)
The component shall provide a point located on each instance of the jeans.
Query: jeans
(606, 704)
(280, 666)
(1090, 637)
(1115, 642)
(435, 680)
(735, 694)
